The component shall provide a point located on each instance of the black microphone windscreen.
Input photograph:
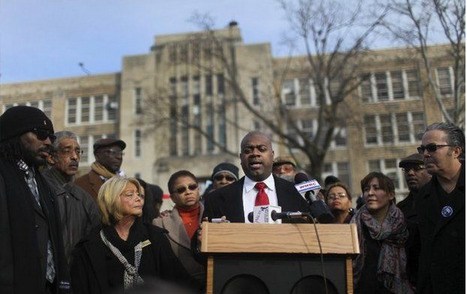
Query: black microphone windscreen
(300, 178)
(250, 217)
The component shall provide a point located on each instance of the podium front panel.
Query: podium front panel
(278, 274)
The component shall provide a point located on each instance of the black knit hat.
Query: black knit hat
(225, 167)
(18, 120)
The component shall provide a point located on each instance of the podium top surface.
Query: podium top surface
(279, 238)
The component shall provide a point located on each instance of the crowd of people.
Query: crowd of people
(103, 232)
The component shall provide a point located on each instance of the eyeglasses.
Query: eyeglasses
(42, 134)
(131, 194)
(416, 167)
(69, 151)
(430, 147)
(227, 177)
(182, 190)
(336, 196)
(114, 152)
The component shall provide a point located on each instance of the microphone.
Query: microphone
(279, 215)
(308, 188)
(287, 215)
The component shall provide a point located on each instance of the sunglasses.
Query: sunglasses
(113, 152)
(430, 147)
(182, 190)
(42, 134)
(415, 167)
(227, 177)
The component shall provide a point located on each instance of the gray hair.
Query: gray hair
(60, 136)
(455, 135)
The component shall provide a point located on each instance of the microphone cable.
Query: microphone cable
(321, 255)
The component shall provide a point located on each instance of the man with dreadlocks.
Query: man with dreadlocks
(32, 258)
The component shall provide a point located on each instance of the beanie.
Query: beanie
(226, 168)
(18, 120)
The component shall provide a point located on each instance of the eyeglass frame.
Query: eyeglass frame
(229, 178)
(42, 134)
(181, 190)
(335, 196)
(69, 151)
(434, 147)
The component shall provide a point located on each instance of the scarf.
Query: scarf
(131, 277)
(101, 170)
(392, 234)
(190, 218)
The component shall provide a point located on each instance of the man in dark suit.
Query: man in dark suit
(238, 199)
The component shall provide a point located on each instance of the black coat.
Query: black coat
(442, 257)
(25, 230)
(228, 200)
(89, 269)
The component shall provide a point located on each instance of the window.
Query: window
(397, 85)
(338, 169)
(99, 108)
(138, 140)
(138, 100)
(389, 86)
(288, 92)
(365, 88)
(47, 107)
(221, 122)
(307, 128)
(208, 85)
(340, 139)
(381, 86)
(413, 83)
(220, 84)
(210, 127)
(72, 109)
(84, 145)
(255, 91)
(371, 134)
(394, 128)
(444, 81)
(305, 94)
(92, 109)
(389, 168)
(173, 53)
(386, 128)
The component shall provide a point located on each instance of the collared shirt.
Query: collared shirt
(249, 194)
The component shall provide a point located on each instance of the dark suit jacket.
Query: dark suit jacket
(228, 200)
(91, 183)
(442, 256)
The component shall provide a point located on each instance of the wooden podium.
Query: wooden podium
(279, 258)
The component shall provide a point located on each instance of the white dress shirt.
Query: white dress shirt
(249, 194)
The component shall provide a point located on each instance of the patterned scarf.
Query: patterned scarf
(392, 259)
(131, 277)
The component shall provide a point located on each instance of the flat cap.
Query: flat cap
(109, 142)
(283, 160)
(415, 158)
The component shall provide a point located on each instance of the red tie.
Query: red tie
(261, 197)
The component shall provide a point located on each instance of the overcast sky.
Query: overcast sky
(46, 39)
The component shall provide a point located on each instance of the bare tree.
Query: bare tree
(335, 38)
(417, 23)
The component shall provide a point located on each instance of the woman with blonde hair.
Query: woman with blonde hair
(123, 251)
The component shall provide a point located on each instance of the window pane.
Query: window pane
(138, 100)
(381, 86)
(403, 127)
(288, 91)
(85, 108)
(72, 107)
(365, 88)
(413, 81)
(374, 165)
(98, 108)
(255, 91)
(137, 143)
(386, 128)
(343, 172)
(370, 129)
(307, 127)
(208, 85)
(113, 109)
(418, 121)
(444, 80)
(397, 85)
(305, 97)
(84, 145)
